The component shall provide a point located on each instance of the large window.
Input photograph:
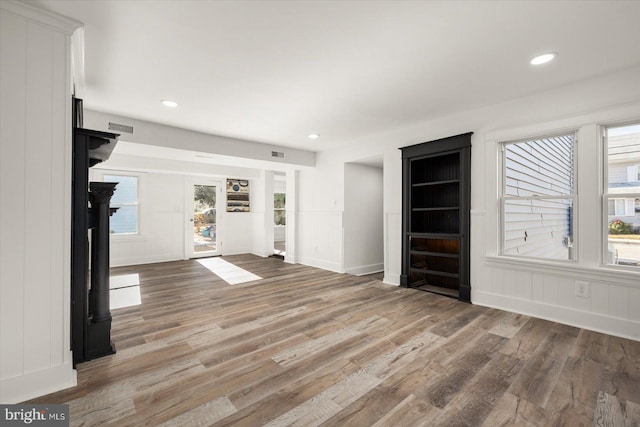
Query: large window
(622, 195)
(539, 197)
(125, 198)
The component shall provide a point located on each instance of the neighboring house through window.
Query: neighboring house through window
(539, 197)
(622, 194)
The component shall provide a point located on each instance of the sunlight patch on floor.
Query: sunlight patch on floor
(124, 281)
(228, 272)
(124, 291)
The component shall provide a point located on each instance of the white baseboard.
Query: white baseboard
(261, 254)
(35, 384)
(123, 262)
(365, 269)
(391, 279)
(321, 263)
(594, 322)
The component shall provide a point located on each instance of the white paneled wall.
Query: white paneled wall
(551, 295)
(35, 190)
(237, 233)
(393, 247)
(162, 219)
(320, 243)
(161, 222)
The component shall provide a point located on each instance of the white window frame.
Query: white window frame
(606, 196)
(573, 197)
(136, 204)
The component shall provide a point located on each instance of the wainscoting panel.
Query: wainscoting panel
(161, 240)
(320, 240)
(392, 247)
(606, 308)
(35, 194)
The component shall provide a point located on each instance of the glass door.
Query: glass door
(203, 224)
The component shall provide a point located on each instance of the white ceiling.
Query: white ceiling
(276, 71)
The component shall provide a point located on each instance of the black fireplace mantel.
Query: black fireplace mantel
(90, 147)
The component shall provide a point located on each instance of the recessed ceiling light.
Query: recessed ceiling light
(314, 136)
(169, 103)
(544, 58)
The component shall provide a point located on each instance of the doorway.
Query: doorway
(363, 217)
(279, 215)
(203, 219)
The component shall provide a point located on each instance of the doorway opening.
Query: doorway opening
(279, 215)
(203, 225)
(363, 217)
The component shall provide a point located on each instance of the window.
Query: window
(125, 198)
(538, 197)
(622, 194)
(279, 212)
(621, 207)
(633, 173)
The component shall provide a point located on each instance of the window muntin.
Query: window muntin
(539, 198)
(125, 198)
(622, 195)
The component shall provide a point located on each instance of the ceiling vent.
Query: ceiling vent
(277, 154)
(120, 128)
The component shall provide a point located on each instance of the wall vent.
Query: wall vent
(277, 154)
(120, 128)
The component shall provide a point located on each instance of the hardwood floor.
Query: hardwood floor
(305, 346)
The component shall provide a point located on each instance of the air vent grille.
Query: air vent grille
(120, 128)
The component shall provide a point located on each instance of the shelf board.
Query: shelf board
(438, 254)
(435, 235)
(434, 209)
(427, 184)
(434, 272)
(422, 286)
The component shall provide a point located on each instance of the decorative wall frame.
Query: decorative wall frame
(238, 195)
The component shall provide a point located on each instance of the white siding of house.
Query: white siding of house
(537, 227)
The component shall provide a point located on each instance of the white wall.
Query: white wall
(363, 219)
(162, 210)
(320, 205)
(35, 201)
(161, 200)
(540, 289)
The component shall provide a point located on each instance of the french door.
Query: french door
(203, 221)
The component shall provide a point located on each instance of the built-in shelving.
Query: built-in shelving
(436, 195)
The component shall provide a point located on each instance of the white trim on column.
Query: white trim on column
(41, 16)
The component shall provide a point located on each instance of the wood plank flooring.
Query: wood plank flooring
(305, 346)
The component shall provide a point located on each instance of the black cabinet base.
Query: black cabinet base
(404, 280)
(99, 340)
(465, 293)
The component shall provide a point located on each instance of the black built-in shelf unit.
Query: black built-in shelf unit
(436, 193)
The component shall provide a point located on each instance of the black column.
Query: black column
(99, 333)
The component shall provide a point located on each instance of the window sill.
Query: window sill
(620, 275)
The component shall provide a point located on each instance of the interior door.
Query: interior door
(203, 221)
